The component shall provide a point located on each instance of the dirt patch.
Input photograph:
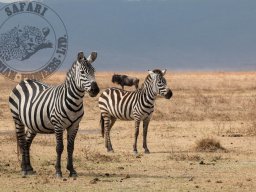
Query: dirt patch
(184, 157)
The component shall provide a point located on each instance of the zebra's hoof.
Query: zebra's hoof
(147, 151)
(73, 174)
(110, 151)
(58, 175)
(31, 172)
(23, 174)
(135, 153)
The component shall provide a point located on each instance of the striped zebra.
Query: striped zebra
(45, 109)
(136, 105)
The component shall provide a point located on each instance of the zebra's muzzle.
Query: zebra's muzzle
(168, 94)
(94, 89)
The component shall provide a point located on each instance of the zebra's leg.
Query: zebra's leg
(59, 150)
(107, 127)
(70, 148)
(137, 126)
(112, 122)
(30, 135)
(145, 131)
(21, 143)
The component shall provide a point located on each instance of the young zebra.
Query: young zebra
(45, 109)
(136, 105)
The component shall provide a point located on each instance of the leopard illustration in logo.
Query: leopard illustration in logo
(22, 43)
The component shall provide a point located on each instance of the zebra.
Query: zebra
(48, 109)
(135, 105)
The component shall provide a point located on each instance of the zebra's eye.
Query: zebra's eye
(82, 72)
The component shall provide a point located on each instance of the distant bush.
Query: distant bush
(208, 145)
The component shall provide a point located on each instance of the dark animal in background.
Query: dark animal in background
(125, 80)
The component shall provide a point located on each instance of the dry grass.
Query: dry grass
(185, 157)
(208, 145)
(204, 105)
(251, 130)
(97, 157)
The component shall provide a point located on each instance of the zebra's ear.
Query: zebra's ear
(92, 57)
(80, 56)
(164, 71)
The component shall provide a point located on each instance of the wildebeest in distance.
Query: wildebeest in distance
(125, 80)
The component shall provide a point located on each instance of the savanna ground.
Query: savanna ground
(218, 106)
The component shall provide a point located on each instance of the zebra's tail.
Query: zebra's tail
(18, 147)
(102, 124)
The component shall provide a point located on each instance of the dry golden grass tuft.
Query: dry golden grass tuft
(208, 145)
(184, 157)
(95, 156)
(251, 129)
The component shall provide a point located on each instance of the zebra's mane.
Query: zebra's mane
(71, 71)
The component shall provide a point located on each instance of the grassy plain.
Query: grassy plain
(220, 106)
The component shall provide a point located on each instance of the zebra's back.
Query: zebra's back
(31, 101)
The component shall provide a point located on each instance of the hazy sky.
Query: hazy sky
(173, 34)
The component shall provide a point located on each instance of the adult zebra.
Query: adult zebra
(45, 109)
(136, 105)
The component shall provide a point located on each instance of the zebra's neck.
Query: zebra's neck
(70, 75)
(72, 91)
(147, 90)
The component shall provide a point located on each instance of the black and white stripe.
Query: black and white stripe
(137, 105)
(45, 109)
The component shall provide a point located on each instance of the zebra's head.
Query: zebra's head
(85, 74)
(159, 83)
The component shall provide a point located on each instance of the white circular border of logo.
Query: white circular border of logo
(59, 55)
